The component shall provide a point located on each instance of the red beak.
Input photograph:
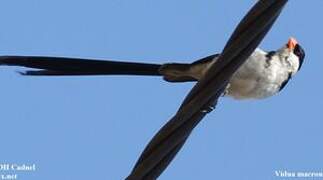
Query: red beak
(292, 44)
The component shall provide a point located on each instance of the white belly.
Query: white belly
(255, 79)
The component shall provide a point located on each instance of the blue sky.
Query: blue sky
(96, 127)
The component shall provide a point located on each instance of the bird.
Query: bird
(264, 74)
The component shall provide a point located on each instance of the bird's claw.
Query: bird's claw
(226, 90)
(208, 109)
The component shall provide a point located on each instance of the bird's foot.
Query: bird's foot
(226, 90)
(208, 109)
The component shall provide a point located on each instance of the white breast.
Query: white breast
(258, 78)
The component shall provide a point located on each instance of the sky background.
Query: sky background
(96, 127)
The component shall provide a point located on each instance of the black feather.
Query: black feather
(73, 66)
(285, 82)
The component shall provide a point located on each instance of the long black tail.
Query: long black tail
(61, 66)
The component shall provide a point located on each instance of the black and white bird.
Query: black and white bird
(262, 75)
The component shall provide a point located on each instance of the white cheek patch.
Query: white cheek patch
(294, 63)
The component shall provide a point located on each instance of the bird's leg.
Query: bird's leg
(208, 109)
(226, 90)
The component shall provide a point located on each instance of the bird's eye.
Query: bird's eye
(298, 51)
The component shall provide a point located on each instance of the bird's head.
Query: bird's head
(293, 53)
